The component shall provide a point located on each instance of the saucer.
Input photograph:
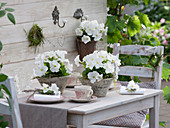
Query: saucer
(47, 101)
(82, 100)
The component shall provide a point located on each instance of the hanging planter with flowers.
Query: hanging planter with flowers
(88, 33)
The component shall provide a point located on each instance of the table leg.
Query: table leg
(154, 113)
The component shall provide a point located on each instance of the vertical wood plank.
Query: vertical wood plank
(154, 114)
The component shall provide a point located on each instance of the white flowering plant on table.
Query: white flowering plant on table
(52, 64)
(132, 86)
(91, 31)
(99, 65)
(47, 90)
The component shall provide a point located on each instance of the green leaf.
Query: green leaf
(147, 117)
(3, 4)
(146, 2)
(2, 13)
(11, 17)
(1, 46)
(166, 93)
(3, 77)
(133, 25)
(4, 124)
(144, 19)
(165, 73)
(6, 90)
(155, 41)
(162, 123)
(9, 103)
(1, 94)
(126, 42)
(1, 118)
(9, 9)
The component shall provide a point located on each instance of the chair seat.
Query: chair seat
(133, 120)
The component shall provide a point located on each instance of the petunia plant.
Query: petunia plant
(52, 64)
(90, 31)
(99, 65)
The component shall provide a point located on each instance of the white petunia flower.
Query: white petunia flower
(79, 32)
(40, 70)
(54, 66)
(98, 62)
(69, 68)
(45, 88)
(86, 39)
(132, 86)
(77, 60)
(55, 89)
(93, 76)
(109, 67)
(97, 36)
(61, 54)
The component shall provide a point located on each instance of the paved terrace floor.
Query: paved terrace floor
(164, 114)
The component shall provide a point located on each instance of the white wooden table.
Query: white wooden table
(114, 105)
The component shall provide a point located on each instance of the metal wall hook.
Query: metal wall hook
(55, 15)
(79, 14)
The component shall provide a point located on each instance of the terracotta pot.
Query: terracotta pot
(85, 49)
(61, 82)
(100, 88)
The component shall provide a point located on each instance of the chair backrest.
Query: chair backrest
(136, 70)
(14, 111)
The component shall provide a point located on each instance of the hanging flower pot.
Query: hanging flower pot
(88, 33)
(85, 49)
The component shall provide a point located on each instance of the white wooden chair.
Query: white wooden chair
(14, 111)
(139, 117)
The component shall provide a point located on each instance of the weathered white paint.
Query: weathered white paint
(18, 58)
(14, 112)
(140, 71)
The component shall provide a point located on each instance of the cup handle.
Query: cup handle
(91, 92)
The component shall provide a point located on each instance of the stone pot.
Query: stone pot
(100, 88)
(61, 82)
(85, 49)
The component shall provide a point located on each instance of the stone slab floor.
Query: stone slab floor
(164, 113)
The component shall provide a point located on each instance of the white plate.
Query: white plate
(47, 101)
(82, 100)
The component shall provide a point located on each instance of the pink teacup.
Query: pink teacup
(83, 92)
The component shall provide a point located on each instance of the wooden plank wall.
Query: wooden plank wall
(17, 57)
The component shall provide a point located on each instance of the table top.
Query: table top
(112, 99)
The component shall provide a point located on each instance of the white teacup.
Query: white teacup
(83, 92)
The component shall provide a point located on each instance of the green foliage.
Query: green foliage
(1, 46)
(166, 93)
(11, 17)
(133, 25)
(161, 123)
(49, 92)
(35, 36)
(3, 124)
(156, 11)
(166, 71)
(7, 11)
(3, 77)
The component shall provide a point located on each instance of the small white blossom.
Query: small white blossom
(45, 88)
(54, 66)
(86, 39)
(40, 70)
(77, 60)
(132, 86)
(94, 76)
(79, 32)
(55, 89)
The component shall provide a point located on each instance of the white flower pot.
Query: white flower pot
(61, 82)
(100, 88)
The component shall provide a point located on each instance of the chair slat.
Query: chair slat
(136, 71)
(137, 50)
(3, 108)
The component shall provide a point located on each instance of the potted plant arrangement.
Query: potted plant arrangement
(100, 69)
(88, 33)
(52, 67)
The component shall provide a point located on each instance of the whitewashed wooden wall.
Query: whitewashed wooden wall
(17, 57)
